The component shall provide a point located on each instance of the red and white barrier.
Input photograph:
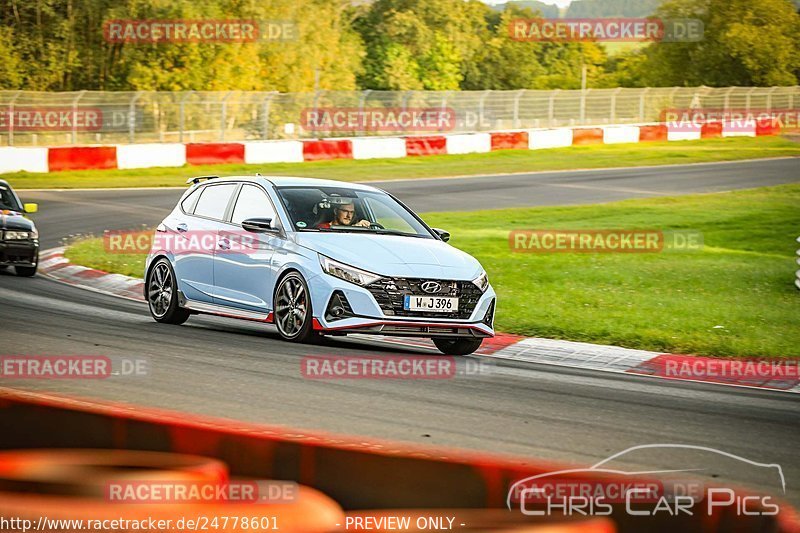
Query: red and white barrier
(653, 133)
(378, 147)
(81, 158)
(327, 149)
(553, 138)
(151, 155)
(683, 134)
(14, 159)
(434, 145)
(214, 153)
(739, 129)
(510, 140)
(133, 156)
(257, 152)
(469, 143)
(620, 134)
(582, 136)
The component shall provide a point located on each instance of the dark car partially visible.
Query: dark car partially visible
(19, 240)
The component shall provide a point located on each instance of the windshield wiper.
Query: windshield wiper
(396, 232)
(359, 229)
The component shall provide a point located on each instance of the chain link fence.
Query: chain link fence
(94, 117)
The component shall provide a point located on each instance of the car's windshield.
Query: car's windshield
(7, 199)
(350, 210)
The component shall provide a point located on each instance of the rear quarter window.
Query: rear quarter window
(188, 203)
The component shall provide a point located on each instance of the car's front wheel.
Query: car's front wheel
(457, 346)
(293, 315)
(162, 294)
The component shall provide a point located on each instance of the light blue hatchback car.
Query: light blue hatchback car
(315, 257)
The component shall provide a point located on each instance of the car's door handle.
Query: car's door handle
(224, 244)
(183, 227)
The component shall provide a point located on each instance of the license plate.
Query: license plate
(436, 304)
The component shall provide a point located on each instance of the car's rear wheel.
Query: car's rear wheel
(293, 314)
(457, 346)
(162, 294)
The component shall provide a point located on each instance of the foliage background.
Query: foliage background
(58, 45)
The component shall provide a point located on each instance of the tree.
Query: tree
(60, 45)
(745, 43)
(433, 42)
(10, 75)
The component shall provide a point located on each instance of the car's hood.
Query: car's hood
(14, 220)
(392, 255)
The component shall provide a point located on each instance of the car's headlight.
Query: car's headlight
(482, 281)
(347, 272)
(20, 235)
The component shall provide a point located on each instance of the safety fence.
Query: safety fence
(93, 117)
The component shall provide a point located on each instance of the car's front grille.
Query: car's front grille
(390, 292)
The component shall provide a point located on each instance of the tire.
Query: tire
(26, 272)
(457, 346)
(162, 294)
(293, 313)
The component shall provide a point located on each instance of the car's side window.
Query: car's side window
(188, 203)
(214, 200)
(253, 202)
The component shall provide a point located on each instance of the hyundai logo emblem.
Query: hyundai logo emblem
(431, 287)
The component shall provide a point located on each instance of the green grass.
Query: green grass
(597, 156)
(91, 253)
(674, 302)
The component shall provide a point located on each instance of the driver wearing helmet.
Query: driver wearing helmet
(344, 215)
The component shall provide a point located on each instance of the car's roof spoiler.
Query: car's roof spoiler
(198, 179)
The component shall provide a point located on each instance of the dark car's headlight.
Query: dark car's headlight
(482, 281)
(347, 272)
(13, 235)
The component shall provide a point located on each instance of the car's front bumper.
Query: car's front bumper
(366, 315)
(19, 253)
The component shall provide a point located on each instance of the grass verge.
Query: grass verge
(504, 161)
(734, 297)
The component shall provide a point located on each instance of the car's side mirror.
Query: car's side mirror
(30, 208)
(444, 235)
(259, 225)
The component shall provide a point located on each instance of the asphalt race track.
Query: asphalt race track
(241, 370)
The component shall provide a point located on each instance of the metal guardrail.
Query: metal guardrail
(189, 116)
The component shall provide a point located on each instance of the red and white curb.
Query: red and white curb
(53, 265)
(781, 376)
(741, 372)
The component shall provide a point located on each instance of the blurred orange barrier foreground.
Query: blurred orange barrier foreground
(336, 477)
